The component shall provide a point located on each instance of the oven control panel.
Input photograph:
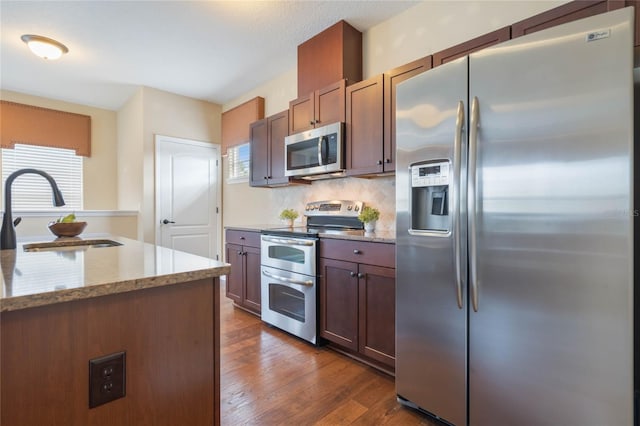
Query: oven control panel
(334, 208)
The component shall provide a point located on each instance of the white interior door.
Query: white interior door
(187, 195)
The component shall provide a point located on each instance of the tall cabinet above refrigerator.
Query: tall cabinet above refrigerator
(515, 231)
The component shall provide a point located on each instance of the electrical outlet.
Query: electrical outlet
(107, 379)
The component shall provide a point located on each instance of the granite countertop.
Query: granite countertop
(31, 279)
(376, 236)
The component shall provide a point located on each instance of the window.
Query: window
(32, 192)
(238, 157)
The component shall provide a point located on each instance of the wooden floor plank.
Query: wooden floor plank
(269, 377)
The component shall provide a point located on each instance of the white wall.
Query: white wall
(424, 29)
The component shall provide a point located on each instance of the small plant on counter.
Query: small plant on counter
(369, 214)
(289, 215)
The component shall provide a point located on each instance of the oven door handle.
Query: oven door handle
(287, 242)
(308, 283)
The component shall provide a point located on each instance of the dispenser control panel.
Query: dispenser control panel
(432, 174)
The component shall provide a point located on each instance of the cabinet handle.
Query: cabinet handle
(239, 253)
(265, 178)
(311, 122)
(356, 251)
(353, 274)
(269, 177)
(242, 238)
(388, 160)
(379, 162)
(360, 275)
(317, 121)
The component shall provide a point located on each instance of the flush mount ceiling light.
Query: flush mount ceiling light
(44, 47)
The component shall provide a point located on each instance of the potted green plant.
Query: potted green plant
(369, 216)
(289, 215)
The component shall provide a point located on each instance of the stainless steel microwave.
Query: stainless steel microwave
(316, 152)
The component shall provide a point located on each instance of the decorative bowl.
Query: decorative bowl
(67, 229)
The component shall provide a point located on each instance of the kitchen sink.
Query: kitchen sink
(70, 245)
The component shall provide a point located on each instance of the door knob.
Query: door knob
(167, 221)
(360, 275)
(353, 274)
(356, 251)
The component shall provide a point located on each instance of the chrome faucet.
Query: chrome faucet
(8, 231)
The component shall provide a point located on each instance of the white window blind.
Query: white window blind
(33, 192)
(239, 158)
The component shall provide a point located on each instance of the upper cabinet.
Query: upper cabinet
(365, 127)
(478, 43)
(370, 120)
(236, 121)
(334, 54)
(267, 150)
(318, 108)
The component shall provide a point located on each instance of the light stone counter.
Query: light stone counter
(31, 279)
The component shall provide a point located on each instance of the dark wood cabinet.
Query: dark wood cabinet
(370, 120)
(565, 13)
(267, 150)
(332, 55)
(365, 127)
(391, 79)
(242, 251)
(357, 298)
(319, 108)
(470, 46)
(377, 315)
(339, 302)
(636, 5)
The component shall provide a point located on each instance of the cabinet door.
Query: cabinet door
(252, 295)
(259, 170)
(278, 128)
(339, 302)
(235, 279)
(364, 127)
(568, 12)
(329, 104)
(301, 114)
(391, 80)
(478, 43)
(377, 293)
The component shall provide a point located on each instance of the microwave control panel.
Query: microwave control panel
(431, 174)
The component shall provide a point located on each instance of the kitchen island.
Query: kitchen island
(62, 307)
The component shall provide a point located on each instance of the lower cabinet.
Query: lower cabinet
(357, 298)
(242, 251)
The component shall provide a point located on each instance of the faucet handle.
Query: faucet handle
(16, 221)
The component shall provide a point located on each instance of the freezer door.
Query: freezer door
(430, 249)
(551, 342)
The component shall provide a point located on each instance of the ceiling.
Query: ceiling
(210, 50)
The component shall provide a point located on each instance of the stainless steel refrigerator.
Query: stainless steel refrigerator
(515, 231)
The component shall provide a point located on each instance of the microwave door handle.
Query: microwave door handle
(320, 157)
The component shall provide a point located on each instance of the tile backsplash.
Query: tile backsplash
(378, 192)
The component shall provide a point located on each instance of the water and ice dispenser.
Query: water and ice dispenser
(430, 196)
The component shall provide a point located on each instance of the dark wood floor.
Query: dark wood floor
(271, 378)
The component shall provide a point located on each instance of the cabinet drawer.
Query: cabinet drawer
(245, 238)
(380, 254)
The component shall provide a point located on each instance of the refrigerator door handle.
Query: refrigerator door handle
(455, 199)
(471, 201)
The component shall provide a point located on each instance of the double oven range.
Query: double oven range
(289, 271)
